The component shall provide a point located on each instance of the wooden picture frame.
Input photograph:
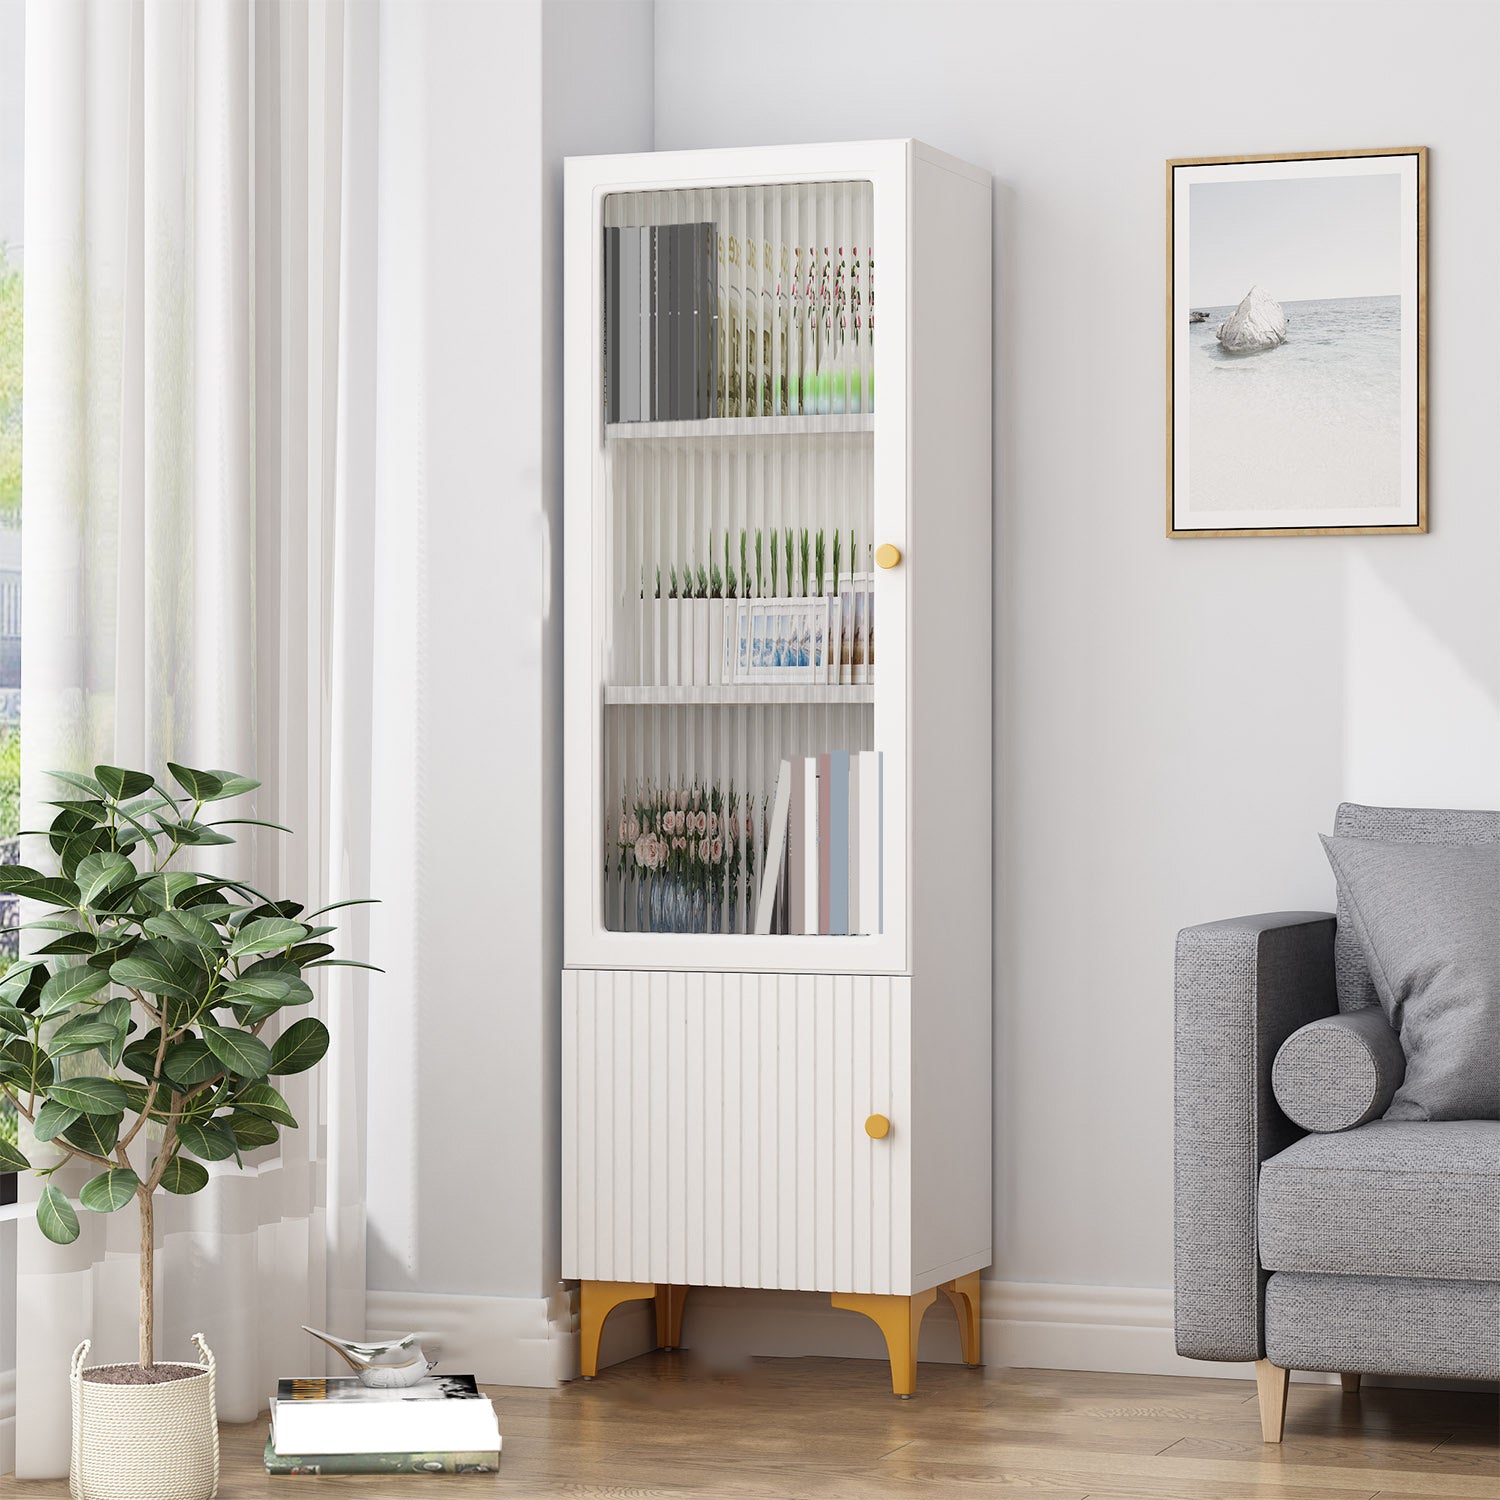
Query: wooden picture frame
(1322, 430)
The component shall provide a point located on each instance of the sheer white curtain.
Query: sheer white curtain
(199, 489)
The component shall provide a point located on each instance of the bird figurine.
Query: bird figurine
(383, 1365)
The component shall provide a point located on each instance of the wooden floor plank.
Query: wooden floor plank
(664, 1428)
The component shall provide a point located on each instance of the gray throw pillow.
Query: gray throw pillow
(1339, 1071)
(1428, 919)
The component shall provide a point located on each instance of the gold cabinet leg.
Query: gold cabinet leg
(596, 1301)
(670, 1300)
(1270, 1384)
(899, 1319)
(963, 1293)
(1350, 1383)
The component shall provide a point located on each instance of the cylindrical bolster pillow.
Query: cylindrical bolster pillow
(1338, 1072)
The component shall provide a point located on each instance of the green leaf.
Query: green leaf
(102, 872)
(265, 987)
(11, 1159)
(13, 877)
(80, 1033)
(72, 941)
(201, 786)
(193, 833)
(211, 1139)
(120, 783)
(13, 1020)
(90, 811)
(185, 927)
(109, 1190)
(150, 975)
(232, 785)
(78, 780)
(90, 1096)
(305, 953)
(96, 1133)
(189, 1063)
(247, 823)
(261, 1099)
(342, 963)
(242, 1054)
(265, 936)
(251, 1131)
(55, 1216)
(52, 1119)
(26, 1064)
(291, 909)
(50, 890)
(116, 1015)
(352, 901)
(300, 1047)
(167, 888)
(184, 1176)
(70, 986)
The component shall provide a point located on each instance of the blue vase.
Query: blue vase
(657, 906)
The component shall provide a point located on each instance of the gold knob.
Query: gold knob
(887, 555)
(877, 1127)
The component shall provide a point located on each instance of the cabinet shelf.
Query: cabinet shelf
(723, 427)
(747, 694)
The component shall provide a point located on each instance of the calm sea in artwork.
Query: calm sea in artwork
(1312, 424)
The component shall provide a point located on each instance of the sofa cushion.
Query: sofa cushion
(1428, 919)
(1339, 1071)
(1394, 825)
(1392, 1198)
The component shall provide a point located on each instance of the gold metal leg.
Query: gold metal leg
(596, 1301)
(1270, 1384)
(1350, 1383)
(963, 1293)
(670, 1301)
(899, 1319)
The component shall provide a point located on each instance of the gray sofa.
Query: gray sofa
(1373, 1249)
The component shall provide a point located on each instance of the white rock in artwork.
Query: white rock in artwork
(1257, 323)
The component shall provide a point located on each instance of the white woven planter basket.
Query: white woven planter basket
(145, 1442)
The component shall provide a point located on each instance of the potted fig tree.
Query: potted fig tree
(131, 1043)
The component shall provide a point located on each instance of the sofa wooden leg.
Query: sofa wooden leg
(596, 1301)
(1351, 1384)
(1270, 1384)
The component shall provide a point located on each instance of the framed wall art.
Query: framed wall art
(1297, 344)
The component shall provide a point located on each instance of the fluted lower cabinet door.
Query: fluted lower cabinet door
(714, 1129)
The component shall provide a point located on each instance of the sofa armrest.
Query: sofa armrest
(1242, 987)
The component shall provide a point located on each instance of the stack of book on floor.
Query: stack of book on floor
(824, 855)
(335, 1425)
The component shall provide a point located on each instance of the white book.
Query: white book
(871, 830)
(855, 924)
(336, 1414)
(808, 853)
(775, 850)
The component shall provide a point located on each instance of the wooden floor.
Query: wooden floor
(829, 1428)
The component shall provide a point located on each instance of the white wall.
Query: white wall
(477, 102)
(1176, 720)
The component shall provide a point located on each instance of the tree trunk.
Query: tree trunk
(148, 1265)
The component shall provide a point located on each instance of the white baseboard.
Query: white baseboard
(500, 1340)
(1026, 1325)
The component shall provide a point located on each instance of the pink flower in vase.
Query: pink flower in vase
(635, 828)
(716, 850)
